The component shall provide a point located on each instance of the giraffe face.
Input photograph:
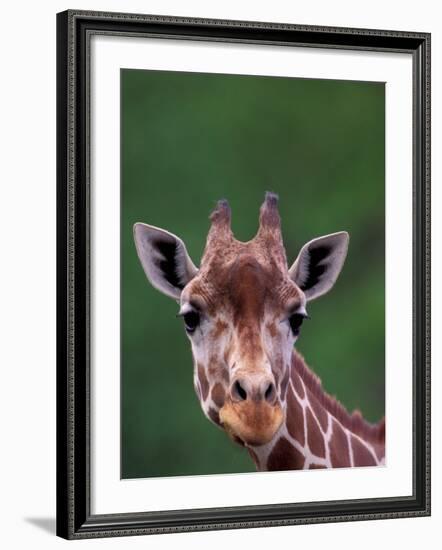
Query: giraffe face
(242, 318)
(242, 311)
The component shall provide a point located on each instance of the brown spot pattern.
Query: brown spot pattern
(315, 436)
(217, 370)
(218, 394)
(285, 457)
(271, 327)
(220, 327)
(213, 415)
(361, 455)
(224, 375)
(355, 423)
(204, 384)
(295, 419)
(339, 451)
(320, 412)
(379, 451)
(227, 353)
(284, 383)
(298, 385)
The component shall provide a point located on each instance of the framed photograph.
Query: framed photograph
(243, 274)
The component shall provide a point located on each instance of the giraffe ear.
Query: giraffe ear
(319, 263)
(164, 259)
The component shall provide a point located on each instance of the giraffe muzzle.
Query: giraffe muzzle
(254, 423)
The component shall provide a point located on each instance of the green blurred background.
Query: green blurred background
(190, 139)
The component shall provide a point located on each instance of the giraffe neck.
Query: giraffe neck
(318, 432)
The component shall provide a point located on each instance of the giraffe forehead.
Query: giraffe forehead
(243, 288)
(248, 287)
(254, 289)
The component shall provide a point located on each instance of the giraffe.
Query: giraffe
(243, 310)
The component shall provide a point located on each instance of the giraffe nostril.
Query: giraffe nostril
(270, 393)
(238, 392)
(252, 389)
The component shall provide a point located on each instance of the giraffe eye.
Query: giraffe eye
(295, 321)
(191, 321)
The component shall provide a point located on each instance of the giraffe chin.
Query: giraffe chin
(251, 423)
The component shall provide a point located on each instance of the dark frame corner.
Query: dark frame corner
(74, 519)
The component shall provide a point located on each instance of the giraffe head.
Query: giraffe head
(242, 311)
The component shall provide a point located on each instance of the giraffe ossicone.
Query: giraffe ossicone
(243, 309)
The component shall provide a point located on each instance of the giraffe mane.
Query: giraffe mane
(352, 421)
